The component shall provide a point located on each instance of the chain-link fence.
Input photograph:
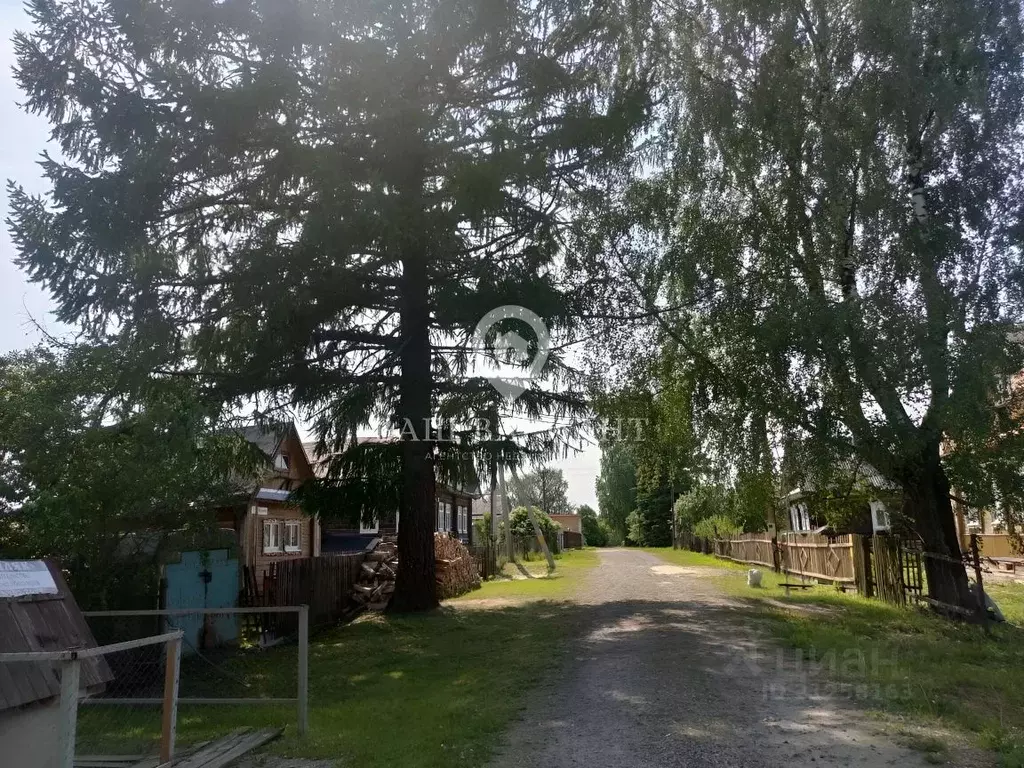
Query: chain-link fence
(57, 726)
(239, 667)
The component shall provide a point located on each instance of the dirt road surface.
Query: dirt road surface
(669, 672)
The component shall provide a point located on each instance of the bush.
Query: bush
(717, 527)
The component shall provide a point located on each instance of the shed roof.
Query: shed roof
(44, 623)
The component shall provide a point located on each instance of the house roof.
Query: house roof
(38, 623)
(854, 473)
(272, 494)
(266, 437)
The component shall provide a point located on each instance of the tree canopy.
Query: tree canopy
(104, 478)
(545, 488)
(311, 205)
(829, 241)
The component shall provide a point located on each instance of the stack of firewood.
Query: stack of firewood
(455, 569)
(377, 576)
(456, 572)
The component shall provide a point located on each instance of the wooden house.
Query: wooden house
(453, 514)
(269, 526)
(39, 614)
(860, 488)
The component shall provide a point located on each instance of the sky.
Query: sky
(23, 305)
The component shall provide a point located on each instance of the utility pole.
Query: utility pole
(537, 531)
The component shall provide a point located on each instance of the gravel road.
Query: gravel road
(668, 672)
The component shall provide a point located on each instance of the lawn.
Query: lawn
(416, 691)
(531, 581)
(901, 661)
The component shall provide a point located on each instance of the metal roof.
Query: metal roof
(272, 494)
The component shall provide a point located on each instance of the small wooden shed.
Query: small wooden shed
(38, 613)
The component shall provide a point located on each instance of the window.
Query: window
(879, 517)
(281, 461)
(440, 516)
(463, 519)
(374, 527)
(799, 517)
(271, 536)
(447, 516)
(292, 541)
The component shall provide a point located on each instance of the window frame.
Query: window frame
(289, 526)
(275, 544)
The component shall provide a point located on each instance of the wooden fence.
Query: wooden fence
(819, 557)
(755, 548)
(323, 583)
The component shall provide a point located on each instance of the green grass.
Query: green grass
(441, 686)
(571, 568)
(417, 691)
(903, 661)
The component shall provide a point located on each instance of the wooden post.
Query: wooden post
(69, 677)
(776, 565)
(976, 557)
(303, 669)
(169, 725)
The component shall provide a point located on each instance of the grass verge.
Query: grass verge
(531, 581)
(414, 691)
(899, 660)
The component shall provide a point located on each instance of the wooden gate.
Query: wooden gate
(888, 570)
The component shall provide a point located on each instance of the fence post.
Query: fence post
(169, 725)
(303, 669)
(69, 677)
(776, 565)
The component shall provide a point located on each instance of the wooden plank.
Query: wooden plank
(169, 720)
(228, 748)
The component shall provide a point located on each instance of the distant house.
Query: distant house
(571, 534)
(862, 486)
(270, 527)
(33, 620)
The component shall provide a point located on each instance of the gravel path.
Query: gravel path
(667, 672)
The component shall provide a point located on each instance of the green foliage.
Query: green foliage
(650, 524)
(616, 486)
(521, 525)
(595, 529)
(545, 488)
(830, 243)
(99, 475)
(717, 527)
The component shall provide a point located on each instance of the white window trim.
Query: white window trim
(274, 528)
(292, 525)
(879, 517)
(799, 517)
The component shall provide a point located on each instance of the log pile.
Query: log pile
(455, 568)
(455, 572)
(377, 576)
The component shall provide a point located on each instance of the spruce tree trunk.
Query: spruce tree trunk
(414, 585)
(927, 505)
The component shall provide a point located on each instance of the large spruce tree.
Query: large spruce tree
(314, 202)
(835, 245)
